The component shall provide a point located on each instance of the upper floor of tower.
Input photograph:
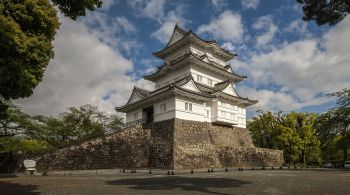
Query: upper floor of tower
(182, 42)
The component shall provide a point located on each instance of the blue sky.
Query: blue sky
(290, 64)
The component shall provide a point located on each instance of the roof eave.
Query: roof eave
(225, 54)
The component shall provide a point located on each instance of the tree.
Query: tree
(74, 126)
(293, 133)
(335, 124)
(27, 29)
(15, 123)
(302, 125)
(325, 11)
(13, 140)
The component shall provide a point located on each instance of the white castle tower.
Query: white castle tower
(194, 83)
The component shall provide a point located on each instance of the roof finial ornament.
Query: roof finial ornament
(177, 23)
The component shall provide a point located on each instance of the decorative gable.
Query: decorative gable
(135, 96)
(230, 90)
(190, 85)
(175, 37)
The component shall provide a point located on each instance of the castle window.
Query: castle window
(136, 116)
(207, 113)
(162, 107)
(223, 104)
(188, 106)
(199, 78)
(223, 114)
(210, 82)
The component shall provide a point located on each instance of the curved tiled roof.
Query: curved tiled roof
(188, 34)
(166, 89)
(221, 68)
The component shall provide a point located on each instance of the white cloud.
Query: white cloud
(153, 9)
(298, 27)
(116, 32)
(266, 24)
(250, 4)
(228, 46)
(278, 100)
(301, 71)
(83, 71)
(125, 24)
(106, 4)
(168, 23)
(219, 4)
(227, 26)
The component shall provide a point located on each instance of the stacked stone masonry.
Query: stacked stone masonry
(170, 144)
(128, 148)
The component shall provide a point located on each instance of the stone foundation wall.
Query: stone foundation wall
(170, 144)
(128, 149)
(161, 145)
(200, 145)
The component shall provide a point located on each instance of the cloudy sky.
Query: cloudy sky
(291, 64)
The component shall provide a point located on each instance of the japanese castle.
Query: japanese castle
(194, 83)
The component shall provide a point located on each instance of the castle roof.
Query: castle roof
(190, 37)
(192, 58)
(177, 88)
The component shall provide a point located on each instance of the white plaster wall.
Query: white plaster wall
(170, 109)
(209, 52)
(197, 113)
(214, 110)
(238, 112)
(130, 115)
(208, 108)
(206, 74)
(172, 76)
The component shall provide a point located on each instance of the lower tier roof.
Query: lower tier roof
(176, 89)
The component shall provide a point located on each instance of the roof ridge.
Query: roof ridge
(186, 33)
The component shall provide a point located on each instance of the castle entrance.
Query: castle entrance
(149, 114)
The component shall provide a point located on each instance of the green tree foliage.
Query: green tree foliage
(75, 8)
(9, 127)
(293, 133)
(15, 123)
(74, 126)
(22, 132)
(325, 11)
(27, 29)
(334, 126)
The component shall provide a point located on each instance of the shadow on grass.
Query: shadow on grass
(177, 182)
(16, 188)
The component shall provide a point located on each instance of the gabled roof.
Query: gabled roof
(205, 93)
(218, 91)
(142, 92)
(239, 100)
(196, 59)
(190, 37)
(171, 89)
(137, 94)
(179, 31)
